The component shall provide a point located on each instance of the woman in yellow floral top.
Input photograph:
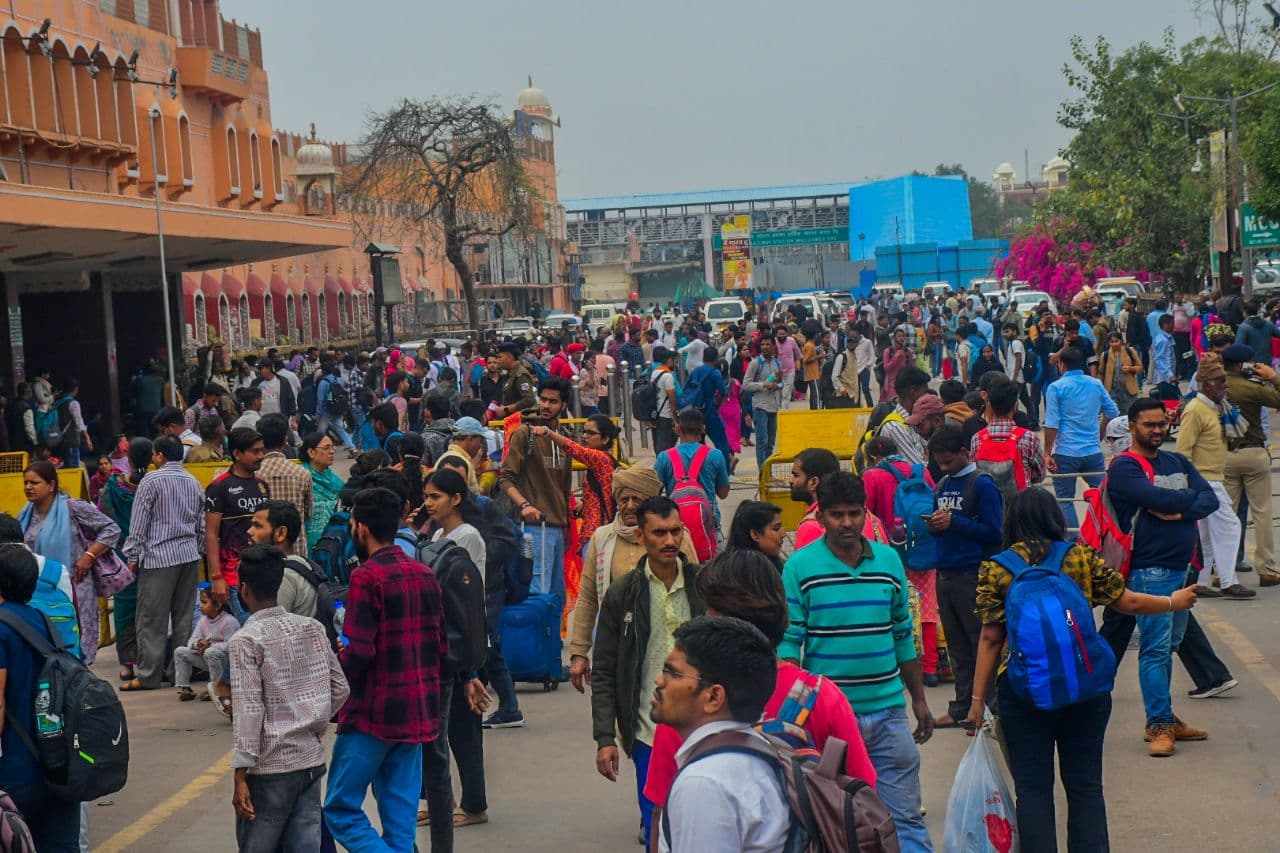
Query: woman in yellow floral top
(1032, 523)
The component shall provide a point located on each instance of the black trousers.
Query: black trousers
(957, 594)
(664, 435)
(461, 734)
(1076, 733)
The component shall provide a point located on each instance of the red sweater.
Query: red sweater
(831, 717)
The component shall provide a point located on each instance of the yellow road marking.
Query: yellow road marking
(1249, 654)
(149, 822)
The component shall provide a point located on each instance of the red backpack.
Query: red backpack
(1100, 529)
(999, 456)
(695, 507)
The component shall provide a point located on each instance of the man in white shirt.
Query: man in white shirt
(714, 685)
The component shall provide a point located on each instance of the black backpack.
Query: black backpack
(307, 397)
(462, 588)
(328, 594)
(82, 743)
(1032, 366)
(307, 569)
(644, 399)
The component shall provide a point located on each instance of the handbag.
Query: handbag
(110, 574)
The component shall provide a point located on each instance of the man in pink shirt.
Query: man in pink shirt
(809, 467)
(788, 351)
(746, 585)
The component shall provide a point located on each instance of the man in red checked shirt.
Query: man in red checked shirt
(395, 645)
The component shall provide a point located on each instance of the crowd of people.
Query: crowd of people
(327, 598)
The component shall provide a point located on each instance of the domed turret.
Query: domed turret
(533, 100)
(315, 176)
(315, 158)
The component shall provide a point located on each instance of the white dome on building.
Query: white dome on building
(1057, 163)
(1005, 170)
(533, 98)
(314, 158)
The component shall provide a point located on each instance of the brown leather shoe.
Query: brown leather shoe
(1162, 742)
(1267, 579)
(1181, 731)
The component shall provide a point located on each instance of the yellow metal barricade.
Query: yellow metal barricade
(838, 430)
(13, 463)
(73, 481)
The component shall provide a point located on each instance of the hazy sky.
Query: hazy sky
(662, 96)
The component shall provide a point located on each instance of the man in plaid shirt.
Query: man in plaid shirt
(395, 644)
(1002, 401)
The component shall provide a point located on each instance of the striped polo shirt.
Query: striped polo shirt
(851, 624)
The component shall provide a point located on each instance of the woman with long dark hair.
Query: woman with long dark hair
(1033, 526)
(116, 502)
(757, 526)
(317, 452)
(76, 534)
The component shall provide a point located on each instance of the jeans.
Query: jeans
(766, 426)
(286, 809)
(640, 753)
(1031, 735)
(71, 459)
(548, 560)
(329, 422)
(864, 388)
(495, 665)
(214, 659)
(957, 592)
(1065, 487)
(54, 822)
(395, 771)
(358, 417)
(1198, 658)
(896, 759)
(1158, 635)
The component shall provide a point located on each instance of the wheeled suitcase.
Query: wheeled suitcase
(530, 633)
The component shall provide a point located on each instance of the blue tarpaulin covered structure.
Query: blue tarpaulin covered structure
(910, 209)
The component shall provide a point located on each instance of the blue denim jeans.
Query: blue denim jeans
(1158, 636)
(329, 422)
(395, 771)
(548, 560)
(1065, 487)
(766, 427)
(896, 759)
(640, 753)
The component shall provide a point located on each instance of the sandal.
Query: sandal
(186, 694)
(461, 818)
(222, 703)
(132, 684)
(424, 817)
(126, 673)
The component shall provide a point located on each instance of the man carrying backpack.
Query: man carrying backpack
(665, 399)
(1158, 497)
(712, 687)
(770, 388)
(694, 476)
(54, 822)
(966, 526)
(279, 523)
(1011, 454)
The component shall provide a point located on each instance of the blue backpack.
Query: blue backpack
(54, 603)
(335, 552)
(912, 499)
(1056, 657)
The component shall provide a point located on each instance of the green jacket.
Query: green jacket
(622, 635)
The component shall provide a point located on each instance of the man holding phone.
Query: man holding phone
(1247, 472)
(967, 528)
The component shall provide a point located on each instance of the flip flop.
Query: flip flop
(132, 684)
(461, 818)
(186, 694)
(949, 724)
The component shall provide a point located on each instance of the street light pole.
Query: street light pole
(153, 115)
(1239, 193)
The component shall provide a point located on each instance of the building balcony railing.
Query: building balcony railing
(218, 76)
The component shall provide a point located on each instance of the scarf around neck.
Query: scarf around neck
(53, 539)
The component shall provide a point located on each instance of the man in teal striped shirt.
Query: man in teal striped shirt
(851, 623)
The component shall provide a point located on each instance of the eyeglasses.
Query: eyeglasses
(329, 447)
(671, 673)
(591, 432)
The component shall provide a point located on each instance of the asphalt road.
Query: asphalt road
(544, 793)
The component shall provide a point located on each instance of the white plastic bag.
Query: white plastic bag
(980, 810)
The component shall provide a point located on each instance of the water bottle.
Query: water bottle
(526, 544)
(339, 622)
(47, 725)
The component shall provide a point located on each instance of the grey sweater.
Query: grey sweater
(753, 383)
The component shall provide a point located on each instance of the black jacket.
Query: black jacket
(622, 636)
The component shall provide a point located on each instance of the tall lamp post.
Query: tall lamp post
(1239, 192)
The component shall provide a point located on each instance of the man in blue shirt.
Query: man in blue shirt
(714, 476)
(1073, 429)
(703, 391)
(54, 822)
(1162, 351)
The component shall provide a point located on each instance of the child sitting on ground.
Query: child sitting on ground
(207, 648)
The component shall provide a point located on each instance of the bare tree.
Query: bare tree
(1240, 26)
(452, 165)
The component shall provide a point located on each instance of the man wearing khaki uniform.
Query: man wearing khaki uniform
(1248, 468)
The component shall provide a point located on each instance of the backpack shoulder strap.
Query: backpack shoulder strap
(1143, 463)
(40, 645)
(893, 469)
(699, 458)
(718, 744)
(50, 572)
(1057, 553)
(305, 567)
(1010, 560)
(677, 463)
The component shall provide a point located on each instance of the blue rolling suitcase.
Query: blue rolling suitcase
(531, 641)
